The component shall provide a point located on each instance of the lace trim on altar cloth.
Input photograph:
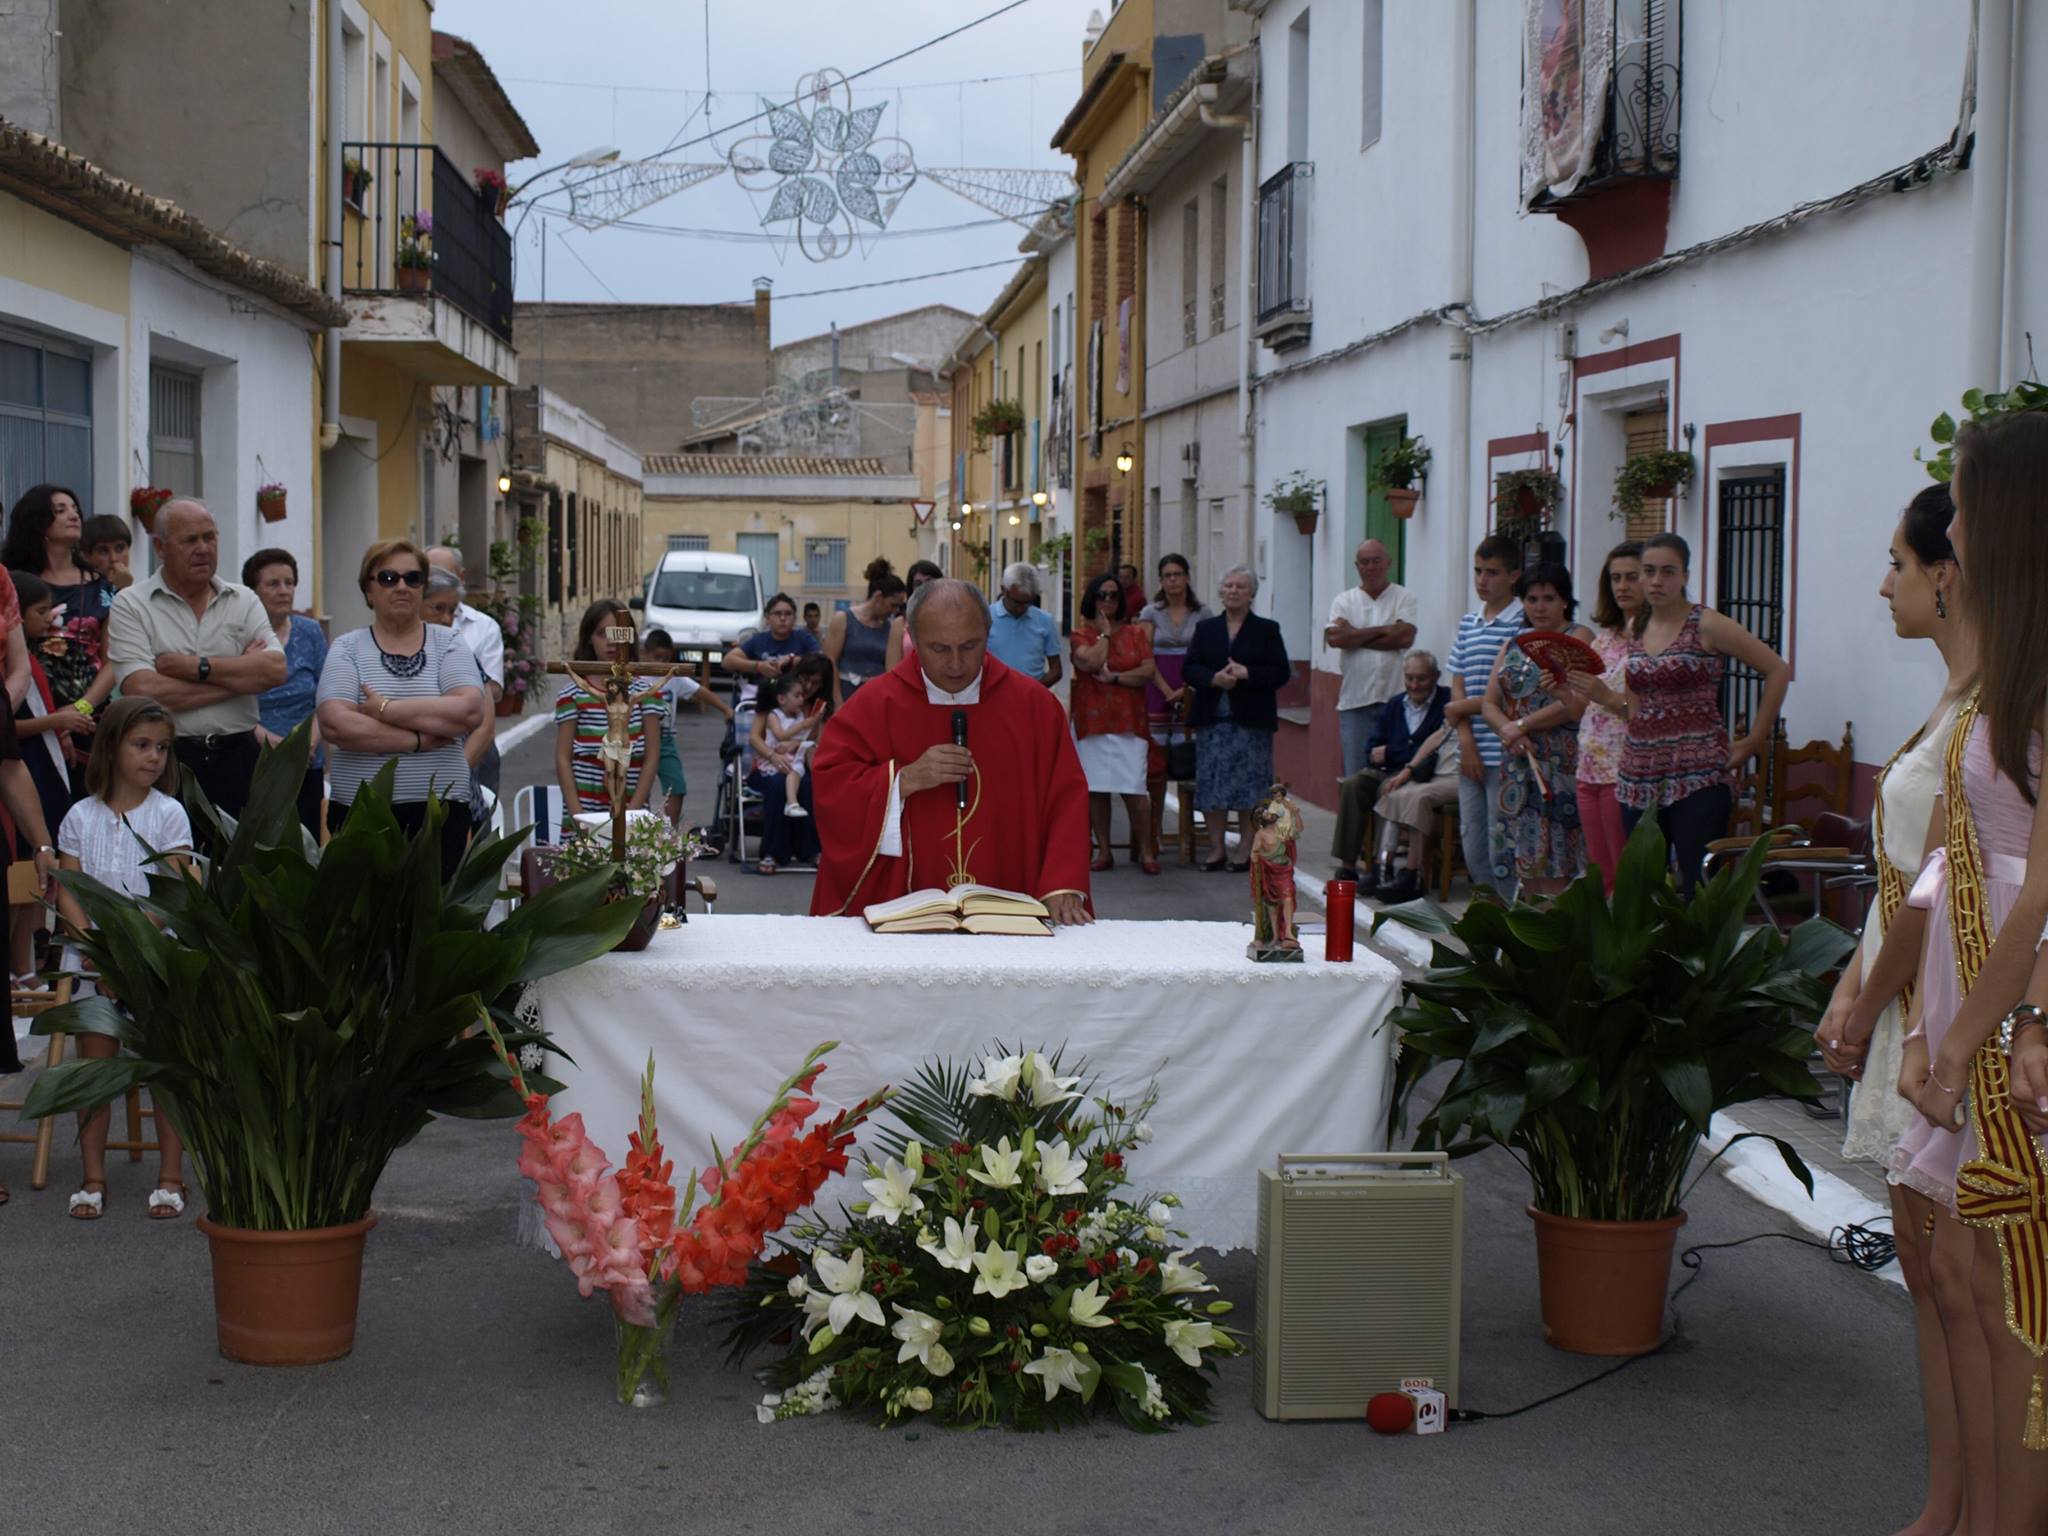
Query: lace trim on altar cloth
(754, 954)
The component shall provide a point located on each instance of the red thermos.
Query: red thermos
(1340, 899)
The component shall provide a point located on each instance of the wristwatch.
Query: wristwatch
(2023, 1016)
(205, 668)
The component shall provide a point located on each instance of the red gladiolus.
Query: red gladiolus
(1112, 1159)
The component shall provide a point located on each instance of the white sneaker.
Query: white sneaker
(796, 810)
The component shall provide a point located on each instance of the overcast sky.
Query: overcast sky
(632, 73)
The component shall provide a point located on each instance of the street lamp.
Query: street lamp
(1015, 519)
(1124, 461)
(1039, 498)
(966, 510)
(504, 485)
(603, 154)
(956, 525)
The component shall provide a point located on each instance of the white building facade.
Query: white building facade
(1789, 280)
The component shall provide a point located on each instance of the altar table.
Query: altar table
(1251, 1060)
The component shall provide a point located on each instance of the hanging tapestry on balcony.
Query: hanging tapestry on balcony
(1567, 57)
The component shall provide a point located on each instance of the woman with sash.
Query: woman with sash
(1923, 590)
(1982, 901)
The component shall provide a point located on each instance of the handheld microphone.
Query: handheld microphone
(960, 740)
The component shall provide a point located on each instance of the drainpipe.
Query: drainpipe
(1457, 455)
(1248, 329)
(330, 345)
(1990, 166)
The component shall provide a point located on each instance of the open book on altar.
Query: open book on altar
(963, 909)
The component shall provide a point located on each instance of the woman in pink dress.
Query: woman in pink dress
(1603, 733)
(1983, 901)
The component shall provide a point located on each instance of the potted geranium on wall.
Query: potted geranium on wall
(491, 187)
(270, 501)
(300, 1014)
(997, 419)
(1300, 496)
(1396, 471)
(1524, 501)
(1594, 1041)
(1650, 477)
(145, 501)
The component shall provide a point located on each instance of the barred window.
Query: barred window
(824, 562)
(688, 542)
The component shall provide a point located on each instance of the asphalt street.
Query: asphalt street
(479, 1394)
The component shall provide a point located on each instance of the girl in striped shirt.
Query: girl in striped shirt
(582, 719)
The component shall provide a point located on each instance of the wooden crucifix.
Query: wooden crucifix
(616, 694)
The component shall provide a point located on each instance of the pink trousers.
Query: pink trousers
(1600, 818)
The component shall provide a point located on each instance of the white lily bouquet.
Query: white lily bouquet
(992, 1276)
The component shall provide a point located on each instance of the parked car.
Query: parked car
(708, 601)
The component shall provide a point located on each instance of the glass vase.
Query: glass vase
(643, 1360)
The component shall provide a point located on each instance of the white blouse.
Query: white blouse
(111, 847)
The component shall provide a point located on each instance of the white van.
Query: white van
(707, 600)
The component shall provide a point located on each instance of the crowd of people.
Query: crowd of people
(1549, 768)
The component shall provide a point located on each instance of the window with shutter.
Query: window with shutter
(1190, 278)
(1647, 431)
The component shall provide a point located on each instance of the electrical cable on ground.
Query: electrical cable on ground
(1856, 1245)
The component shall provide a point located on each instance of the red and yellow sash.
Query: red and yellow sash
(2003, 1187)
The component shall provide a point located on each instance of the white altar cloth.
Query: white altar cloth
(1251, 1060)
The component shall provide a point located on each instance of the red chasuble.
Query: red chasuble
(1026, 823)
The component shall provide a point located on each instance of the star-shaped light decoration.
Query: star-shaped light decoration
(821, 167)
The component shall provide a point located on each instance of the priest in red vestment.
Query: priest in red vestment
(885, 777)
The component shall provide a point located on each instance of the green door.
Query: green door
(1370, 518)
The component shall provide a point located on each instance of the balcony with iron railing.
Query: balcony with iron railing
(416, 227)
(1284, 308)
(1619, 197)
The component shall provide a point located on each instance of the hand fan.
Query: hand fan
(1559, 654)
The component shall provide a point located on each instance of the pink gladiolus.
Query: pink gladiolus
(634, 1302)
(585, 1167)
(618, 1246)
(605, 1201)
(571, 1235)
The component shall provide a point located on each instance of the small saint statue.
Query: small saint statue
(1276, 823)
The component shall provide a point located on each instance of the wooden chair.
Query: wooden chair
(1807, 823)
(25, 889)
(1450, 849)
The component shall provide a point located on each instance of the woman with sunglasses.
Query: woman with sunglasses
(405, 691)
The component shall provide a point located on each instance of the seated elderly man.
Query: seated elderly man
(1410, 805)
(1403, 724)
(1022, 635)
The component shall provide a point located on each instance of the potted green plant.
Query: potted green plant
(2026, 395)
(301, 1013)
(415, 251)
(1650, 477)
(355, 182)
(996, 419)
(1395, 472)
(1594, 1040)
(1524, 500)
(1300, 496)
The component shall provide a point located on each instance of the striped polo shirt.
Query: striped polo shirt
(1472, 658)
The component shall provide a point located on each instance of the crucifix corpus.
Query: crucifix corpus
(612, 683)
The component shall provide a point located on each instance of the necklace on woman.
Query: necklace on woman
(402, 666)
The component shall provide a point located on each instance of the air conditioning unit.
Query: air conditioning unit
(1190, 461)
(1360, 1259)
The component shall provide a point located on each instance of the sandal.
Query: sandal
(87, 1204)
(167, 1202)
(1149, 866)
(1100, 862)
(765, 867)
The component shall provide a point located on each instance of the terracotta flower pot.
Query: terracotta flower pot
(1603, 1283)
(1663, 492)
(286, 1298)
(272, 508)
(1401, 501)
(414, 279)
(1306, 522)
(511, 704)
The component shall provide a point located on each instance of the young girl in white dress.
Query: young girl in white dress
(112, 835)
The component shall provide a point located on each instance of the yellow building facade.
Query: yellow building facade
(1106, 120)
(1017, 466)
